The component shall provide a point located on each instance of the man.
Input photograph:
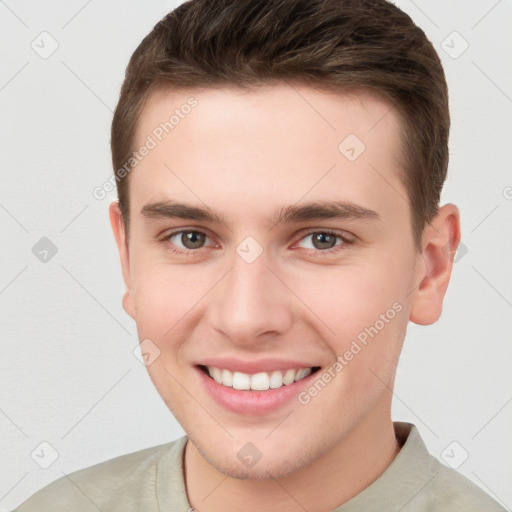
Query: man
(279, 166)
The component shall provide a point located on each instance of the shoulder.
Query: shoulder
(416, 480)
(96, 487)
(452, 491)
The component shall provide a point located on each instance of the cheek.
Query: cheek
(165, 297)
(349, 298)
(363, 313)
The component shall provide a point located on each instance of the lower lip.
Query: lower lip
(252, 402)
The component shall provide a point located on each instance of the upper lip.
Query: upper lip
(251, 367)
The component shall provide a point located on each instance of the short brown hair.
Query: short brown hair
(333, 45)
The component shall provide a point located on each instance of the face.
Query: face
(269, 268)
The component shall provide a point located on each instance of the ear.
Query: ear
(118, 227)
(439, 245)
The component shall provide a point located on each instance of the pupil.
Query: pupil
(192, 239)
(322, 239)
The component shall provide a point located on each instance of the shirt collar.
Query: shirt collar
(411, 471)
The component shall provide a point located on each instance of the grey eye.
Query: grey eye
(324, 240)
(321, 240)
(193, 239)
(188, 239)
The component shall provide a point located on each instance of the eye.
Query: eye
(324, 241)
(185, 241)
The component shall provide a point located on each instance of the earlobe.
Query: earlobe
(128, 304)
(118, 228)
(440, 241)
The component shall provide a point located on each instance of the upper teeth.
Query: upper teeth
(258, 381)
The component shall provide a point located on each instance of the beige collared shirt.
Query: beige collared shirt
(152, 480)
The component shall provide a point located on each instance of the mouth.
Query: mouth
(261, 381)
(254, 387)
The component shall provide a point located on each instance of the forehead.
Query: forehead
(281, 142)
(272, 108)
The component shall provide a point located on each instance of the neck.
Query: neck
(328, 482)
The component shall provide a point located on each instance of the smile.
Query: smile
(261, 381)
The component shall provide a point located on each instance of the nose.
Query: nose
(251, 304)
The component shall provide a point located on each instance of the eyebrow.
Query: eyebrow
(319, 210)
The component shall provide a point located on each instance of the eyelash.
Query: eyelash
(345, 242)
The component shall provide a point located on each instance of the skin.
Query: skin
(244, 154)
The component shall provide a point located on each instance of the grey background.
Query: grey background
(69, 374)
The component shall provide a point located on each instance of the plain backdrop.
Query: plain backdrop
(70, 379)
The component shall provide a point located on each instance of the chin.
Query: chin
(274, 463)
(263, 470)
